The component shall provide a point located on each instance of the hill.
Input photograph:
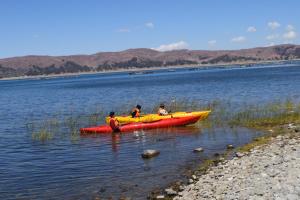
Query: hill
(139, 58)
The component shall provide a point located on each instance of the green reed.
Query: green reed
(271, 114)
(224, 113)
(44, 130)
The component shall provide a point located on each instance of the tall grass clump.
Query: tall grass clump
(43, 130)
(271, 114)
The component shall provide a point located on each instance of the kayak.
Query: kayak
(156, 117)
(163, 123)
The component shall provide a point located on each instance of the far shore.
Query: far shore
(133, 69)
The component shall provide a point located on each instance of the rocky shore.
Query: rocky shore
(269, 171)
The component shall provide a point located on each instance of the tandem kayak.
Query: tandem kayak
(156, 117)
(163, 123)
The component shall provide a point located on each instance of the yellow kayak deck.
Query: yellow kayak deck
(156, 117)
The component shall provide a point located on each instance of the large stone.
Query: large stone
(291, 126)
(181, 188)
(150, 153)
(239, 155)
(194, 177)
(198, 150)
(170, 192)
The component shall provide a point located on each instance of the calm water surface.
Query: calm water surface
(107, 166)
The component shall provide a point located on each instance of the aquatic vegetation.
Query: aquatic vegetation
(260, 116)
(42, 135)
(43, 131)
(224, 113)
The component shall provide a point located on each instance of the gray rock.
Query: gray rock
(191, 181)
(194, 177)
(239, 155)
(170, 192)
(181, 188)
(180, 194)
(150, 153)
(160, 197)
(291, 126)
(230, 146)
(198, 150)
(279, 137)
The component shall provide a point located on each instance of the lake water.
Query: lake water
(111, 166)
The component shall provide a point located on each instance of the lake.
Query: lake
(111, 166)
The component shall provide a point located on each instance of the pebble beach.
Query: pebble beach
(270, 171)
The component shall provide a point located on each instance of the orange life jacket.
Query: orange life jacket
(135, 112)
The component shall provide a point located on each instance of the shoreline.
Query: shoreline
(198, 66)
(231, 175)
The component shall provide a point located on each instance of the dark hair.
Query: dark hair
(111, 114)
(138, 106)
(162, 105)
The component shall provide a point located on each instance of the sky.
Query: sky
(66, 27)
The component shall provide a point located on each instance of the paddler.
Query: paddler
(136, 111)
(161, 110)
(113, 122)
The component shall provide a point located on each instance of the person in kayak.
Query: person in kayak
(161, 110)
(136, 111)
(113, 122)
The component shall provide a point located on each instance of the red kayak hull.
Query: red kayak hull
(164, 123)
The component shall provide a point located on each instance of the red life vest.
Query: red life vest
(113, 124)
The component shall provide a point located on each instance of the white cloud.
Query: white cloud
(290, 27)
(272, 37)
(212, 42)
(270, 44)
(290, 35)
(172, 46)
(251, 29)
(238, 39)
(149, 25)
(273, 25)
(123, 30)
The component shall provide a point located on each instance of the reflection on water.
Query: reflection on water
(111, 165)
(176, 146)
(139, 136)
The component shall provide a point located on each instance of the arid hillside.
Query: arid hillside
(139, 58)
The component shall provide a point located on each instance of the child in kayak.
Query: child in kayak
(113, 122)
(161, 110)
(136, 111)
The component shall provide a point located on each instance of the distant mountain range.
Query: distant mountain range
(139, 58)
